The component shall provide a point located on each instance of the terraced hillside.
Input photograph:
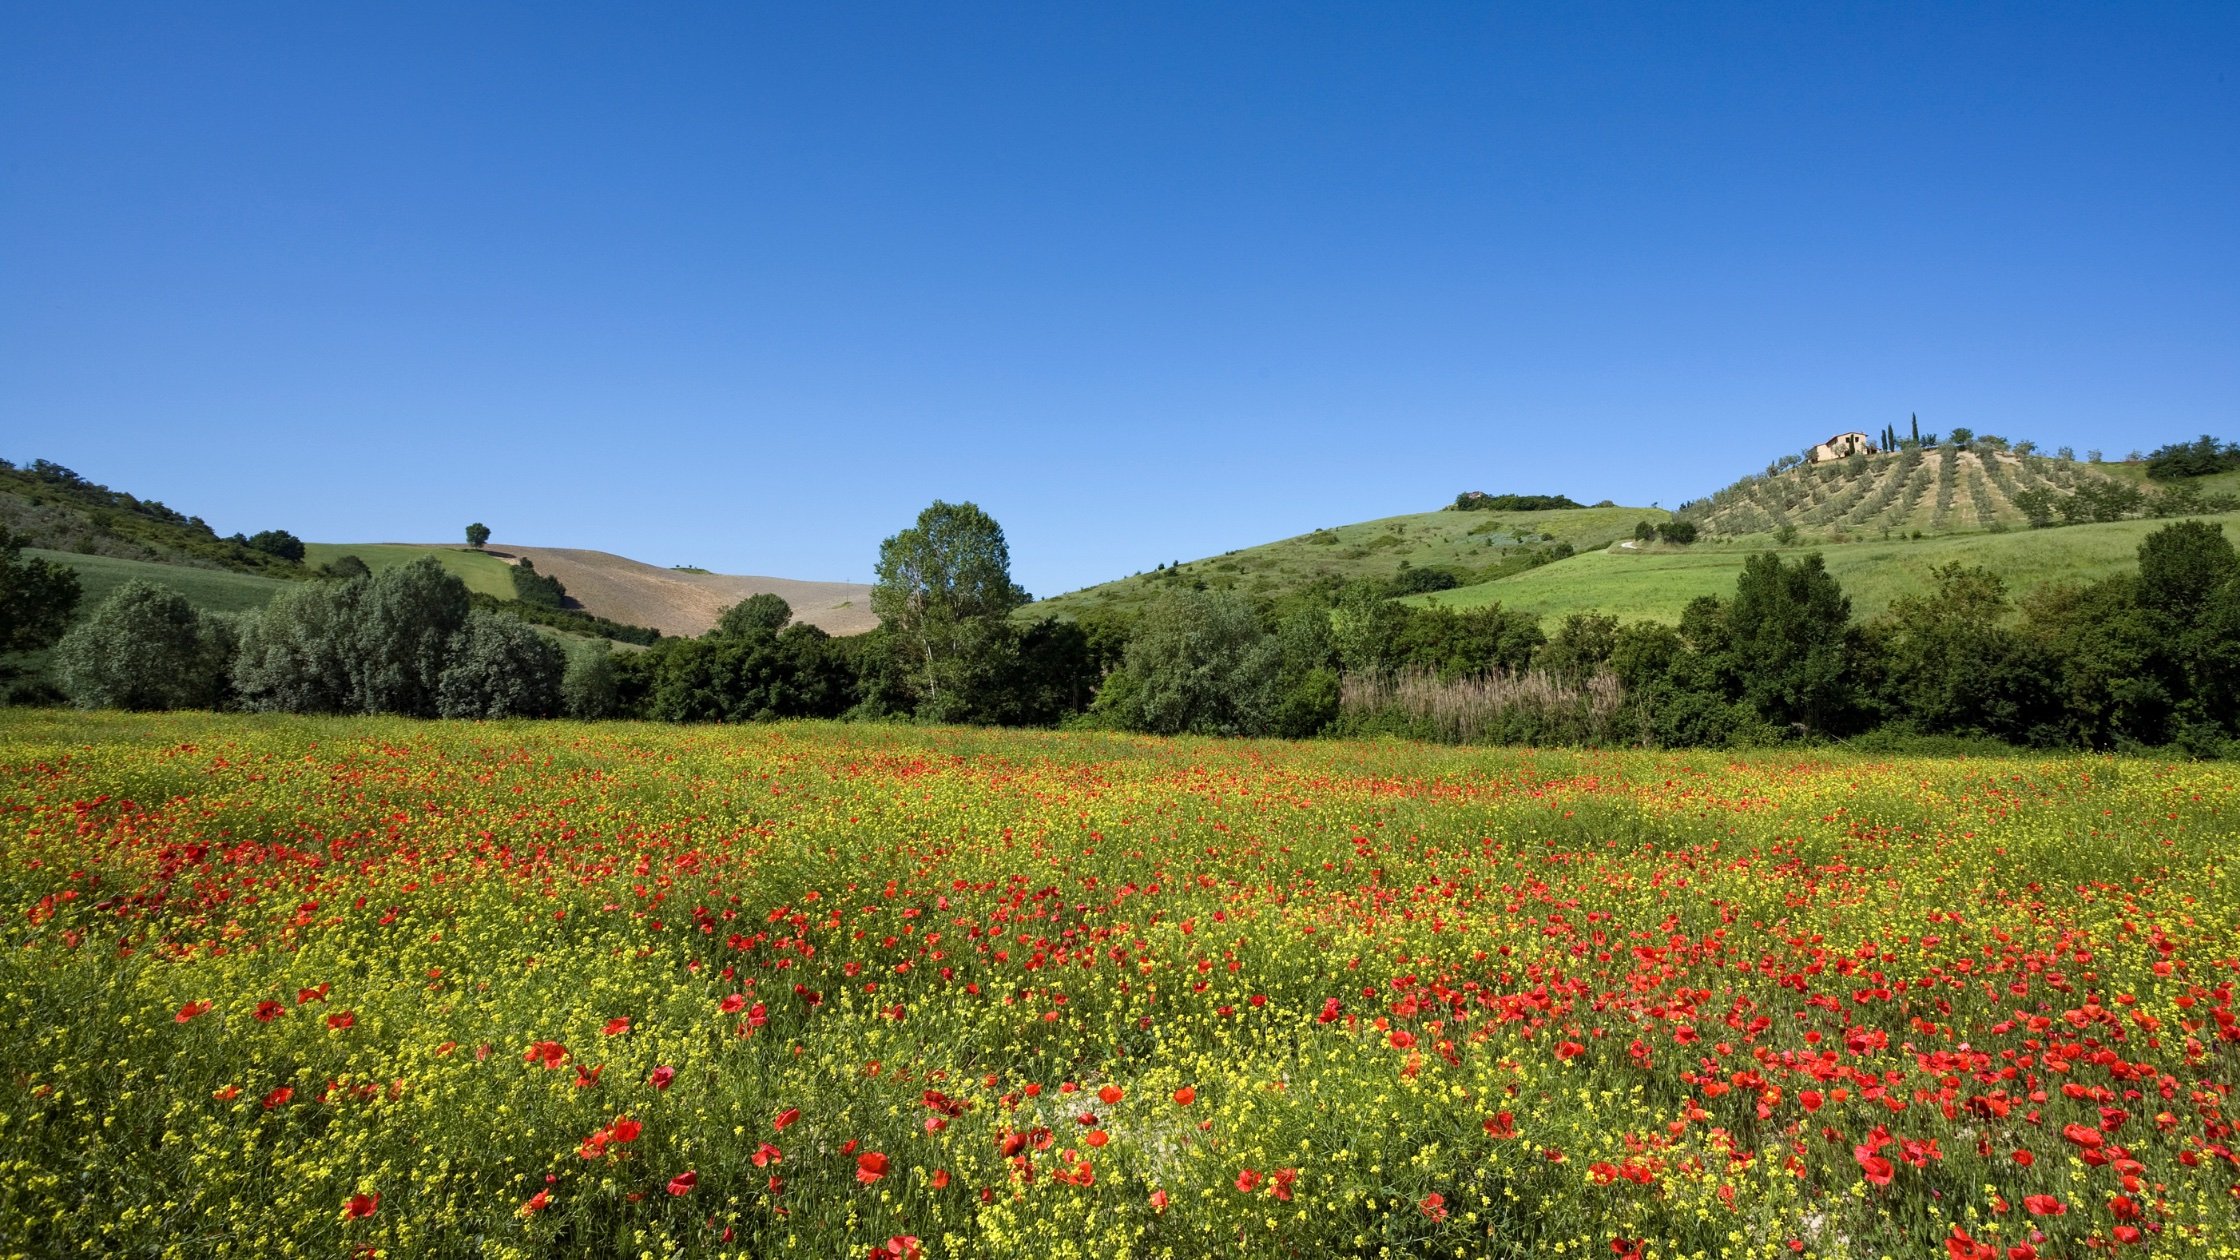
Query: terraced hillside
(1468, 546)
(1938, 491)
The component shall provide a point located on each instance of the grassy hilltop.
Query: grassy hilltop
(1471, 546)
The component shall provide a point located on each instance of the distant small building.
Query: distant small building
(1841, 446)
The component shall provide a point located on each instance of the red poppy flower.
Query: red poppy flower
(940, 1179)
(1110, 1095)
(1433, 1206)
(1247, 1181)
(2025, 1158)
(733, 1004)
(624, 1129)
(662, 1076)
(1158, 1200)
(1570, 1050)
(1185, 1096)
(538, 1202)
(1329, 1013)
(342, 1019)
(787, 1117)
(269, 1010)
(2087, 1138)
(2128, 1235)
(899, 1247)
(550, 1053)
(361, 1206)
(1877, 1168)
(1810, 1099)
(279, 1097)
(765, 1155)
(2043, 1205)
(870, 1166)
(190, 1010)
(682, 1184)
(617, 1026)
(228, 1094)
(1282, 1182)
(1501, 1125)
(306, 996)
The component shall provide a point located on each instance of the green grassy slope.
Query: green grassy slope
(213, 590)
(485, 573)
(1655, 584)
(2214, 483)
(1473, 544)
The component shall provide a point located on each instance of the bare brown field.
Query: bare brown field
(676, 602)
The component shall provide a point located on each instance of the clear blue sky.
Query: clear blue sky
(747, 286)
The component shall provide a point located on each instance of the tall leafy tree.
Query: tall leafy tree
(944, 594)
(145, 647)
(1788, 631)
(403, 635)
(498, 667)
(37, 598)
(296, 653)
(477, 534)
(756, 615)
(1199, 663)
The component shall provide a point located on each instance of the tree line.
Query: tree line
(2146, 659)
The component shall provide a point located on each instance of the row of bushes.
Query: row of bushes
(2150, 658)
(407, 641)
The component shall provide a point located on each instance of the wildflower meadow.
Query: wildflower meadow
(313, 987)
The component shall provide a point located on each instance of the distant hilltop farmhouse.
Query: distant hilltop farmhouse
(1841, 446)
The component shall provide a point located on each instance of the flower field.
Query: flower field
(324, 987)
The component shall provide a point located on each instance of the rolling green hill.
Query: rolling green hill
(212, 590)
(1654, 582)
(482, 572)
(55, 509)
(1472, 546)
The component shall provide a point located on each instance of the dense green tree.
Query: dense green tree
(1947, 662)
(2199, 458)
(278, 542)
(497, 667)
(944, 595)
(797, 672)
(478, 534)
(37, 598)
(537, 590)
(591, 689)
(2111, 670)
(761, 614)
(346, 568)
(145, 647)
(406, 620)
(296, 653)
(1366, 630)
(1788, 631)
(1581, 647)
(2181, 567)
(1200, 663)
(1461, 644)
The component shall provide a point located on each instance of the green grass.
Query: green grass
(1656, 585)
(1470, 543)
(2214, 483)
(481, 572)
(212, 590)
